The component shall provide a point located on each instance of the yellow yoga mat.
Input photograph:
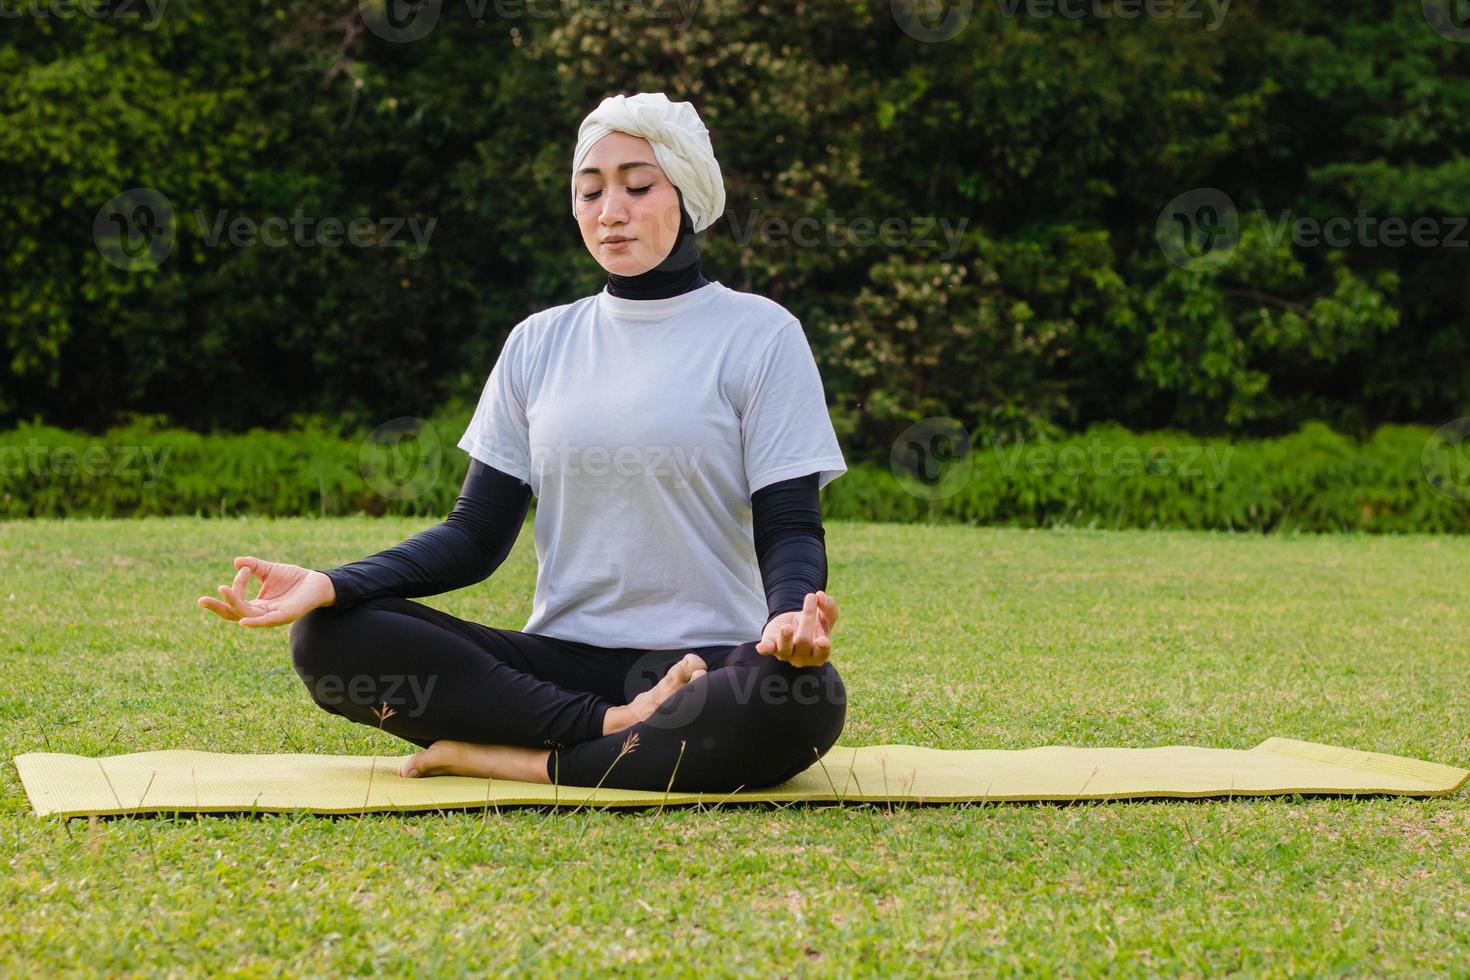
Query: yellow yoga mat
(188, 782)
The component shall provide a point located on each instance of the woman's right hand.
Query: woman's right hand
(287, 592)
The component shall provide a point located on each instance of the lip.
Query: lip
(615, 240)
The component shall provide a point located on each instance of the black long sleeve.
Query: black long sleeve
(790, 543)
(464, 549)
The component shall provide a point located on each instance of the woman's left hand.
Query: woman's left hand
(802, 638)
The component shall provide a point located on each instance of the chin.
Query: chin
(626, 265)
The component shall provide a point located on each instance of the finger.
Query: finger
(806, 630)
(274, 617)
(234, 601)
(783, 642)
(214, 605)
(241, 584)
(818, 656)
(829, 608)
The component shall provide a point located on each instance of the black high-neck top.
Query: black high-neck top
(679, 272)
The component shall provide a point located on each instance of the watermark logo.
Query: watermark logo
(1445, 459)
(1198, 230)
(402, 458)
(1213, 10)
(1366, 231)
(400, 21)
(306, 231)
(406, 21)
(135, 230)
(931, 459)
(835, 231)
(148, 11)
(676, 464)
(1450, 19)
(683, 707)
(1096, 458)
(931, 21)
(773, 685)
(94, 461)
(410, 691)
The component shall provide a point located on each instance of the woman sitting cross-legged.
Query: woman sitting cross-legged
(675, 435)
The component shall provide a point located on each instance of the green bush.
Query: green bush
(1313, 480)
(1029, 164)
(1400, 480)
(141, 469)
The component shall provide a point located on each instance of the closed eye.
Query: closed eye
(631, 190)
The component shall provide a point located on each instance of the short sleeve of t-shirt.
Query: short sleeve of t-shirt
(499, 434)
(786, 429)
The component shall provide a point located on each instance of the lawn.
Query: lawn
(951, 637)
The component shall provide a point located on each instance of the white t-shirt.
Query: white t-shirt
(643, 428)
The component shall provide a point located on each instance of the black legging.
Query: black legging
(752, 721)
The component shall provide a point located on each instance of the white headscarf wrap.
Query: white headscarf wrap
(680, 142)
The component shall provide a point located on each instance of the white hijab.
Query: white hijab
(680, 142)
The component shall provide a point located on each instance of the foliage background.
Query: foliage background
(1057, 140)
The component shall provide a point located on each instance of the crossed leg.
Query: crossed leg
(489, 702)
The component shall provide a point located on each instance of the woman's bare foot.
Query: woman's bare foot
(641, 708)
(447, 757)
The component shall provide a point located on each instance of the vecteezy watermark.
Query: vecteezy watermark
(931, 21)
(805, 686)
(676, 464)
(307, 231)
(1096, 458)
(938, 20)
(1450, 19)
(1200, 229)
(122, 462)
(137, 230)
(148, 11)
(402, 458)
(1445, 459)
(411, 691)
(1211, 11)
(931, 459)
(405, 21)
(809, 232)
(1366, 231)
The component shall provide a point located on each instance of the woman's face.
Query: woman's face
(622, 193)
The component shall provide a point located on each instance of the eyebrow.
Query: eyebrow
(621, 167)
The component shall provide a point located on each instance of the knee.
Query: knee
(800, 713)
(316, 647)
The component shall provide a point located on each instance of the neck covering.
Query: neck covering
(679, 272)
(681, 146)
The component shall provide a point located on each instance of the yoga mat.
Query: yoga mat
(190, 782)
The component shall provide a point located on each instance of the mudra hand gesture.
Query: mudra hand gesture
(287, 592)
(802, 638)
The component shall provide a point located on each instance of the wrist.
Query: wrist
(326, 588)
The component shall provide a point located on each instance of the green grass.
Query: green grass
(950, 636)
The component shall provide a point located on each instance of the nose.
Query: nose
(614, 207)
